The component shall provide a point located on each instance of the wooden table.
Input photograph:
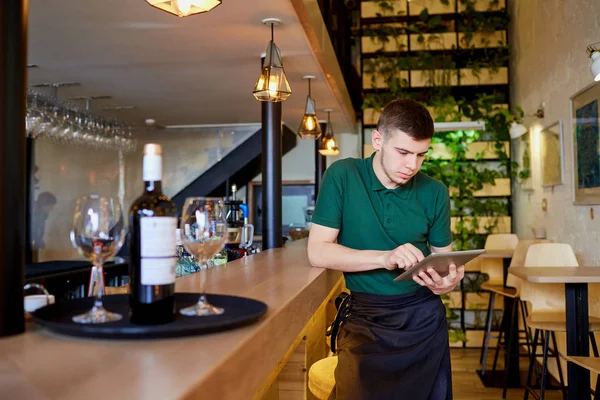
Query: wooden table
(576, 281)
(513, 377)
(227, 365)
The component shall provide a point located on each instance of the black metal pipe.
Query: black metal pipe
(29, 196)
(320, 162)
(576, 297)
(13, 78)
(271, 176)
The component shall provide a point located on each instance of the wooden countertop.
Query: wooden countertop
(557, 274)
(226, 365)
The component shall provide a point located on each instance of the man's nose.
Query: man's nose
(412, 162)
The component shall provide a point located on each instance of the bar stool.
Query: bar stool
(547, 316)
(321, 378)
(592, 364)
(495, 270)
(511, 290)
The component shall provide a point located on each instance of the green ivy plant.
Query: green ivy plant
(464, 175)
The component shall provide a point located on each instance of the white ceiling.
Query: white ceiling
(195, 70)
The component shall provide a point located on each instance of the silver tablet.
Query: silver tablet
(440, 262)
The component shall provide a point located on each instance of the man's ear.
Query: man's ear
(377, 140)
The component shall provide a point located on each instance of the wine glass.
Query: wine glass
(98, 234)
(203, 234)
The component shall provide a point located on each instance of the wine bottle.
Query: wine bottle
(152, 247)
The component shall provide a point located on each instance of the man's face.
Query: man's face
(401, 155)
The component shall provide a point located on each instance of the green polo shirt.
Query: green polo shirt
(371, 217)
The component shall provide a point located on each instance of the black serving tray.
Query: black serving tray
(239, 311)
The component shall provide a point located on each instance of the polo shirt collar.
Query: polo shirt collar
(401, 191)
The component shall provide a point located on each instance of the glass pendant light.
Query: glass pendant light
(309, 127)
(183, 8)
(272, 84)
(328, 145)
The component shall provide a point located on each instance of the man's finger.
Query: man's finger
(435, 276)
(452, 273)
(418, 280)
(423, 275)
(411, 257)
(415, 251)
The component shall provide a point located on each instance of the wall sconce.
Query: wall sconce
(517, 129)
(328, 145)
(184, 8)
(272, 84)
(309, 127)
(594, 54)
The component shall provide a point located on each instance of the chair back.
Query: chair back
(551, 255)
(547, 297)
(518, 260)
(494, 266)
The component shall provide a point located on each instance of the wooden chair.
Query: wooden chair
(321, 378)
(512, 290)
(547, 303)
(495, 285)
(592, 364)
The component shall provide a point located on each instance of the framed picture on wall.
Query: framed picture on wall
(586, 145)
(551, 154)
(524, 160)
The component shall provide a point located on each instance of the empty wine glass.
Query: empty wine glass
(203, 234)
(98, 234)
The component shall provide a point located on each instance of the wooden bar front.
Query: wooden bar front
(250, 362)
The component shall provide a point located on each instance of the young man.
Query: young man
(372, 218)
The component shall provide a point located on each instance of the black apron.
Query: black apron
(394, 347)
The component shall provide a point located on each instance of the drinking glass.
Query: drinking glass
(203, 235)
(98, 234)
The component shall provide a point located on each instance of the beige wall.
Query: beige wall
(549, 64)
(69, 172)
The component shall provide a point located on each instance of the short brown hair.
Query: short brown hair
(407, 116)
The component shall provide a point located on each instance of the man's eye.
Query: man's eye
(403, 153)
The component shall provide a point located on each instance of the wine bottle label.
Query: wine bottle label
(158, 250)
(158, 271)
(152, 168)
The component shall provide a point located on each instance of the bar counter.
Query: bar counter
(243, 363)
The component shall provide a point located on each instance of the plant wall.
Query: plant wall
(441, 59)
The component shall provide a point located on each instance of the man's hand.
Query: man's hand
(436, 283)
(402, 257)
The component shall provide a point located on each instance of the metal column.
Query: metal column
(320, 163)
(13, 78)
(271, 176)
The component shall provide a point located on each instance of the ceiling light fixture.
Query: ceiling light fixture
(593, 51)
(184, 8)
(309, 127)
(328, 145)
(272, 84)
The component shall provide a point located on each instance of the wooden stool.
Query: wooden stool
(548, 314)
(321, 378)
(495, 270)
(591, 364)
